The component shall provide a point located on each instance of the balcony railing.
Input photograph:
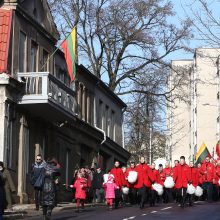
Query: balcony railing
(42, 87)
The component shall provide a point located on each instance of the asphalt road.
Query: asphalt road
(200, 211)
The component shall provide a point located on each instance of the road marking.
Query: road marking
(153, 211)
(166, 208)
(132, 217)
(144, 214)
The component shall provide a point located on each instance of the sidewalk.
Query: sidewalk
(20, 211)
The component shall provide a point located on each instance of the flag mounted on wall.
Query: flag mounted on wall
(70, 52)
(202, 154)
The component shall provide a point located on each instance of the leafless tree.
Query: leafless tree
(122, 39)
(205, 20)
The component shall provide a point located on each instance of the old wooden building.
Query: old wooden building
(80, 123)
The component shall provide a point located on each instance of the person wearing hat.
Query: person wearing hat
(110, 187)
(9, 186)
(97, 183)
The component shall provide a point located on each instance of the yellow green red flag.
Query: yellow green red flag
(202, 154)
(70, 49)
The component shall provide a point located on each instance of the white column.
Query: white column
(21, 164)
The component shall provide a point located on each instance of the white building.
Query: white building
(193, 116)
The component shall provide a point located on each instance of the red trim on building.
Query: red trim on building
(5, 32)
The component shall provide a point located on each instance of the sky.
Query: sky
(184, 8)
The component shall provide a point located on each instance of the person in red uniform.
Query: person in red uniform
(181, 179)
(167, 192)
(144, 181)
(175, 194)
(162, 174)
(132, 190)
(215, 182)
(199, 166)
(156, 177)
(193, 179)
(208, 170)
(218, 175)
(119, 180)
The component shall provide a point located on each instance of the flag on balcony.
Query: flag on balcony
(202, 154)
(218, 149)
(69, 49)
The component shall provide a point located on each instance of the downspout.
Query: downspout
(123, 131)
(95, 122)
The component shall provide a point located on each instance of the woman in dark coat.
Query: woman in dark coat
(51, 171)
(2, 196)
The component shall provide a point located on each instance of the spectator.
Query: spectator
(2, 196)
(97, 183)
(8, 185)
(36, 178)
(51, 171)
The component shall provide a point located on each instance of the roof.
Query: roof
(5, 29)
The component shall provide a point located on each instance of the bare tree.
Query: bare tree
(122, 38)
(206, 21)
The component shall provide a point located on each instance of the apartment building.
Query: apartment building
(193, 116)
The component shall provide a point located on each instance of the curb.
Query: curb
(23, 213)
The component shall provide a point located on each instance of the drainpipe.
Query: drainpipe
(122, 124)
(95, 124)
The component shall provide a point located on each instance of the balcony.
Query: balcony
(46, 96)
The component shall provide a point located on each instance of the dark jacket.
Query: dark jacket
(37, 174)
(2, 194)
(49, 187)
(97, 181)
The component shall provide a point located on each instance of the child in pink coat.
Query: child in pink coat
(80, 185)
(110, 187)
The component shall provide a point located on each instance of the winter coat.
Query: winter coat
(200, 176)
(2, 193)
(194, 176)
(37, 174)
(119, 176)
(216, 178)
(80, 185)
(162, 176)
(9, 184)
(207, 170)
(97, 180)
(49, 187)
(110, 189)
(145, 177)
(181, 176)
(156, 176)
(168, 172)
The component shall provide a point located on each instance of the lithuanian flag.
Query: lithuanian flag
(69, 49)
(202, 154)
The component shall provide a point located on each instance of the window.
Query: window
(33, 58)
(22, 52)
(45, 61)
(107, 120)
(99, 116)
(112, 125)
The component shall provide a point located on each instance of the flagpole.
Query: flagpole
(58, 49)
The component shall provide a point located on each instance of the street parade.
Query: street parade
(110, 109)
